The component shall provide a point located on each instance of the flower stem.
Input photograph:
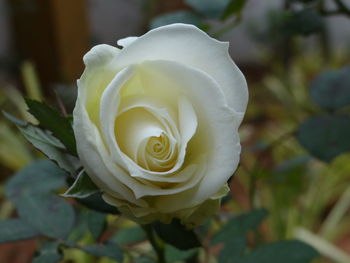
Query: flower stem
(157, 246)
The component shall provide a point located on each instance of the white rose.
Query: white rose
(156, 123)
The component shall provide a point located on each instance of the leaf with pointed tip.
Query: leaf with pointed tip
(51, 120)
(15, 230)
(14, 119)
(45, 142)
(82, 187)
(96, 203)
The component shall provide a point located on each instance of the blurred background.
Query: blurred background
(284, 48)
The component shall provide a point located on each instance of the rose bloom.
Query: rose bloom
(156, 123)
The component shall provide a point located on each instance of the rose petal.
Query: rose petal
(217, 126)
(97, 75)
(124, 42)
(191, 46)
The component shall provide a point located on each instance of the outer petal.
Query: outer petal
(97, 75)
(124, 42)
(189, 45)
(91, 151)
(216, 134)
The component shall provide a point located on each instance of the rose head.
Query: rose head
(156, 123)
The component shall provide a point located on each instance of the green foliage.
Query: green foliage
(240, 225)
(290, 251)
(331, 89)
(16, 229)
(96, 223)
(31, 191)
(129, 235)
(325, 136)
(234, 234)
(44, 141)
(173, 254)
(177, 17)
(51, 120)
(82, 187)
(304, 22)
(108, 249)
(177, 235)
(96, 203)
(209, 8)
(234, 7)
(48, 253)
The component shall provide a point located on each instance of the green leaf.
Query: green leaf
(291, 251)
(233, 249)
(14, 119)
(325, 136)
(209, 8)
(331, 89)
(173, 254)
(30, 190)
(96, 223)
(177, 17)
(304, 22)
(50, 214)
(82, 187)
(16, 229)
(96, 203)
(45, 142)
(51, 147)
(49, 253)
(233, 8)
(38, 177)
(129, 236)
(240, 225)
(234, 234)
(107, 249)
(50, 119)
(177, 235)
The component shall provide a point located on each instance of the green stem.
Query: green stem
(158, 248)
